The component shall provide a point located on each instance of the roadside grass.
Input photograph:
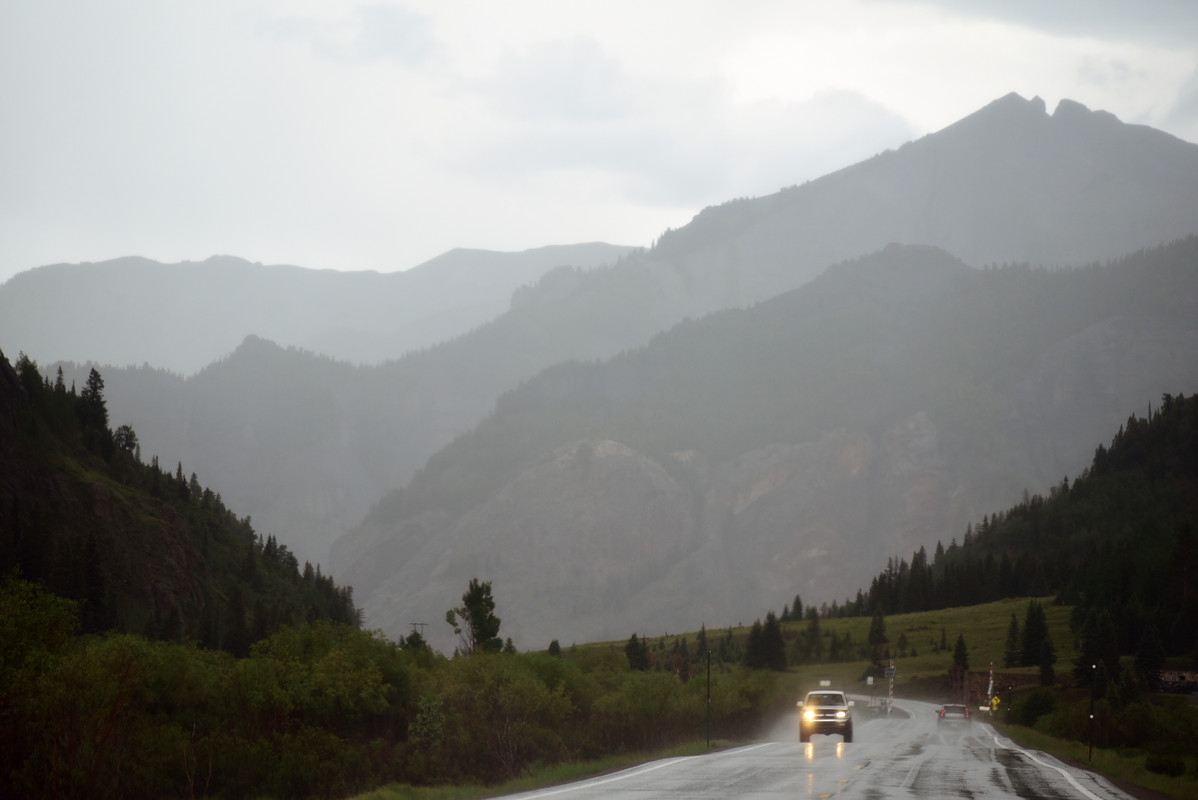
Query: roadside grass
(540, 777)
(1126, 767)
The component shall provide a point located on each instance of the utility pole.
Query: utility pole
(1093, 674)
(709, 698)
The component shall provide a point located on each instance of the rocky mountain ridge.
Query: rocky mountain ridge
(743, 458)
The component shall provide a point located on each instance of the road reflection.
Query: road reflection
(809, 750)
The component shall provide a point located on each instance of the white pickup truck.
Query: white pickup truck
(826, 711)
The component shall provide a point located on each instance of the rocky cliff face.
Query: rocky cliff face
(599, 541)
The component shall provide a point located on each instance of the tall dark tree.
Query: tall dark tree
(1011, 651)
(126, 439)
(94, 409)
(773, 648)
(960, 653)
(637, 652)
(474, 621)
(1150, 659)
(1038, 649)
(877, 637)
(237, 640)
(754, 647)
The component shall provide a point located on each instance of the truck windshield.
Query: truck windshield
(825, 700)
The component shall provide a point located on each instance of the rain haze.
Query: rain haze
(376, 136)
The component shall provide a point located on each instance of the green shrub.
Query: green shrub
(1163, 764)
(1034, 705)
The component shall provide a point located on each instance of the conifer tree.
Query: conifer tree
(773, 648)
(1011, 652)
(754, 650)
(877, 636)
(94, 409)
(1150, 658)
(1038, 649)
(960, 653)
(637, 652)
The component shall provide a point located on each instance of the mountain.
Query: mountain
(182, 317)
(754, 454)
(144, 551)
(306, 445)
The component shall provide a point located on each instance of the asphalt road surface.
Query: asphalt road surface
(906, 755)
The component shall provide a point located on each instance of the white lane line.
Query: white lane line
(632, 773)
(1068, 775)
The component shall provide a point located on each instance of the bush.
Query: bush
(1034, 705)
(1162, 764)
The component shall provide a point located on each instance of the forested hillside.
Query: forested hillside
(1120, 541)
(753, 454)
(143, 549)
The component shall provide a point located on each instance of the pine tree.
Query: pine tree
(94, 410)
(960, 653)
(637, 652)
(877, 636)
(773, 648)
(1011, 652)
(237, 641)
(1038, 649)
(754, 651)
(1150, 659)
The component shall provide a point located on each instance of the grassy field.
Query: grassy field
(538, 778)
(1126, 769)
(984, 628)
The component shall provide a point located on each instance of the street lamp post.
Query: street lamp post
(709, 699)
(1093, 674)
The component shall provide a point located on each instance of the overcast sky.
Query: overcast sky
(378, 135)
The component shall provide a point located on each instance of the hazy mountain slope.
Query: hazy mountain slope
(184, 316)
(739, 459)
(985, 184)
(1009, 183)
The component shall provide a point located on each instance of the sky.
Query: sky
(375, 136)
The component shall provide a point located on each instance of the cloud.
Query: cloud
(1168, 22)
(570, 80)
(679, 144)
(1183, 115)
(367, 33)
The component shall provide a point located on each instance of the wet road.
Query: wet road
(908, 755)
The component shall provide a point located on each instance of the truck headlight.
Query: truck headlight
(808, 714)
(840, 715)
